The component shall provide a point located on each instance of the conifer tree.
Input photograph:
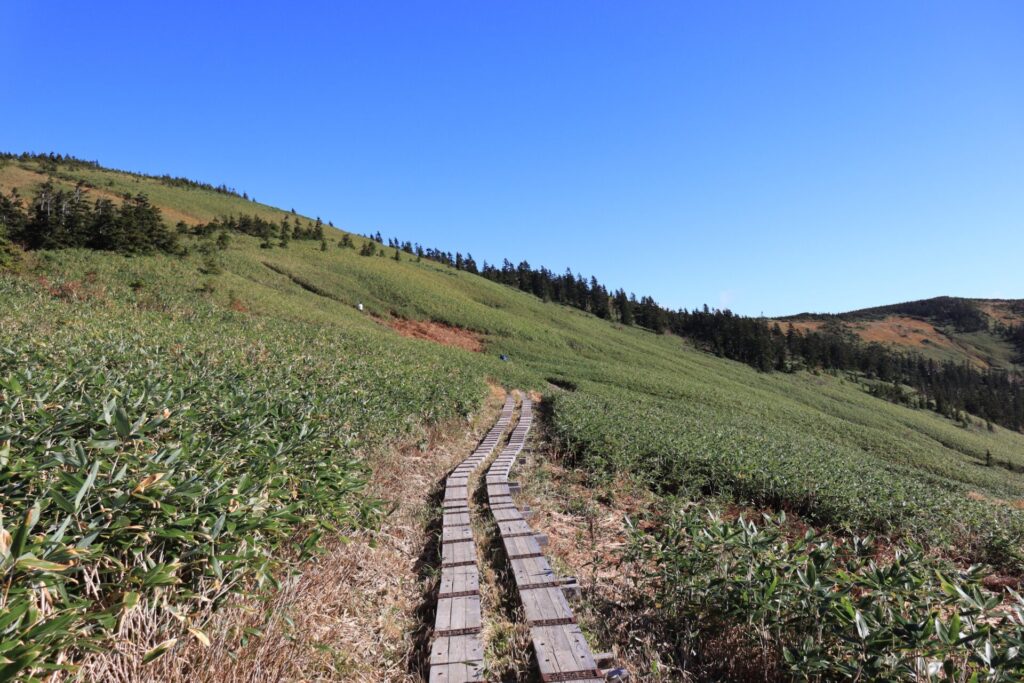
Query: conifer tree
(625, 308)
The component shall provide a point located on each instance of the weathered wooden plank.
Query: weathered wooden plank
(455, 518)
(455, 534)
(496, 490)
(520, 546)
(563, 650)
(458, 580)
(516, 526)
(457, 652)
(458, 554)
(506, 514)
(532, 570)
(546, 606)
(457, 659)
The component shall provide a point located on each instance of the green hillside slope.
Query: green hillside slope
(169, 419)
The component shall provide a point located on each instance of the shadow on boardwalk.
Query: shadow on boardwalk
(427, 569)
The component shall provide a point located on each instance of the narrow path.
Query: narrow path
(457, 653)
(559, 645)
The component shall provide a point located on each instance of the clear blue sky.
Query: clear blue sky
(770, 156)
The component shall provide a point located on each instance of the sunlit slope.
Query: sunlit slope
(825, 429)
(190, 205)
(925, 327)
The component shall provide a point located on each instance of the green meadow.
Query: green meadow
(173, 427)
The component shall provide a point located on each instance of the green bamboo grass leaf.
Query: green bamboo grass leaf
(12, 385)
(33, 563)
(89, 481)
(21, 535)
(121, 422)
(19, 664)
(159, 650)
(129, 600)
(953, 631)
(13, 613)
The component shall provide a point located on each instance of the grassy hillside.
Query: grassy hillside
(169, 426)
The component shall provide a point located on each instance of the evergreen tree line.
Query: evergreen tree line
(1015, 335)
(189, 184)
(568, 289)
(270, 232)
(50, 161)
(905, 377)
(376, 247)
(66, 219)
(946, 387)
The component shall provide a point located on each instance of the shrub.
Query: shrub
(815, 609)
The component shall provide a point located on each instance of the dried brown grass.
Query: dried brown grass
(354, 613)
(587, 539)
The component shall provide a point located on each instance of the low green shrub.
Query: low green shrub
(816, 609)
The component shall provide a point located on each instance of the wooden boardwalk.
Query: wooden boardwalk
(558, 643)
(457, 652)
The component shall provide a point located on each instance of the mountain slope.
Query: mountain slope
(86, 328)
(943, 328)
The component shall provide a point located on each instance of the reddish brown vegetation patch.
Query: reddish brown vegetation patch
(449, 335)
(893, 329)
(903, 332)
(74, 290)
(1006, 312)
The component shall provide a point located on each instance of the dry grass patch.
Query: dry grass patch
(586, 530)
(903, 331)
(353, 613)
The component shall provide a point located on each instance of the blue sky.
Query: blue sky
(772, 157)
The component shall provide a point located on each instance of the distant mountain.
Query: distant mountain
(944, 328)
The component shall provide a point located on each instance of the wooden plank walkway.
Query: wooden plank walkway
(457, 652)
(558, 643)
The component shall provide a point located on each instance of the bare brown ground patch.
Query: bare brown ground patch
(899, 331)
(352, 613)
(440, 333)
(903, 331)
(1017, 504)
(893, 330)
